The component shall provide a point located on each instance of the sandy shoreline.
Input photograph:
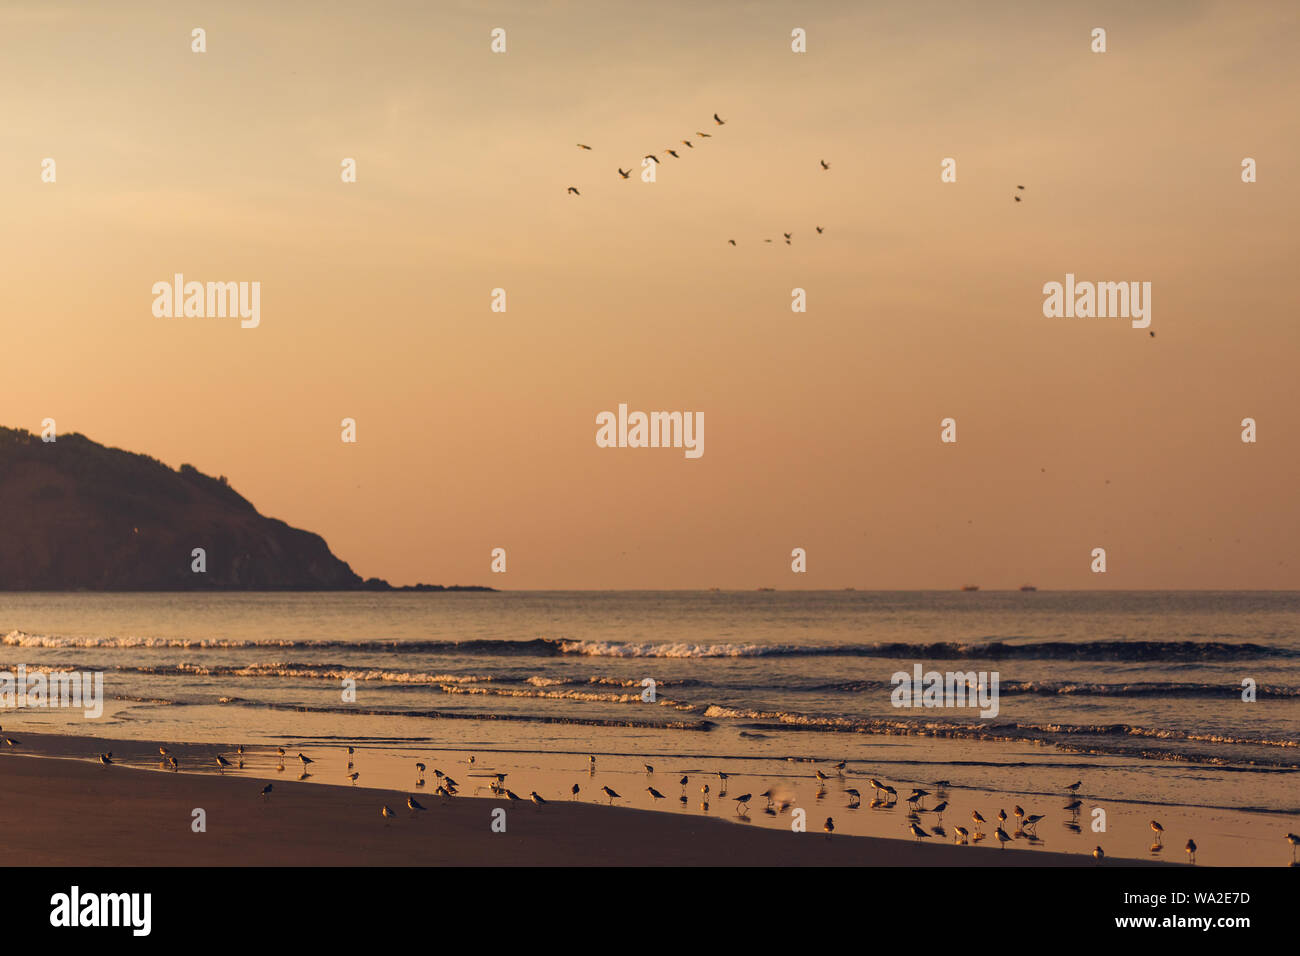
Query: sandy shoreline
(72, 812)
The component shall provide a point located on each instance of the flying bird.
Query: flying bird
(719, 120)
(656, 159)
(625, 175)
(820, 230)
(705, 135)
(574, 190)
(1016, 198)
(732, 241)
(687, 144)
(672, 153)
(825, 165)
(583, 146)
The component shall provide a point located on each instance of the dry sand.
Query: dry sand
(73, 812)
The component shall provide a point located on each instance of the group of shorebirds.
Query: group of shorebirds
(676, 153)
(884, 796)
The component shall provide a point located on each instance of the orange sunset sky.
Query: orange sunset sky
(477, 429)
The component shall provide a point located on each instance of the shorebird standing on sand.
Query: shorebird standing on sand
(742, 803)
(537, 798)
(1159, 831)
(1074, 787)
(1295, 842)
(918, 831)
(222, 764)
(419, 775)
(978, 818)
(266, 792)
(576, 789)
(414, 804)
(876, 785)
(611, 794)
(855, 798)
(305, 761)
(1073, 806)
(353, 777)
(1191, 850)
(829, 827)
(1098, 854)
(654, 794)
(105, 760)
(388, 813)
(1002, 836)
(961, 835)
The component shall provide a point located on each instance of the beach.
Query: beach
(1114, 710)
(66, 811)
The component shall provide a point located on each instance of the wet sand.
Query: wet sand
(64, 809)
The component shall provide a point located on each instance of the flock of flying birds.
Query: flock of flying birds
(675, 154)
(884, 796)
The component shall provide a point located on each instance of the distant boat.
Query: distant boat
(1028, 587)
(970, 587)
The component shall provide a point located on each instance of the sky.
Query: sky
(476, 429)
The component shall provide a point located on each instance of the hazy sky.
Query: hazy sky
(477, 429)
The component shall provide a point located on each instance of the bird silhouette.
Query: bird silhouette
(825, 165)
(820, 230)
(583, 146)
(732, 241)
(719, 120)
(705, 135)
(687, 144)
(1017, 198)
(574, 190)
(651, 156)
(672, 153)
(625, 175)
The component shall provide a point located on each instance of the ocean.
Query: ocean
(1140, 694)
